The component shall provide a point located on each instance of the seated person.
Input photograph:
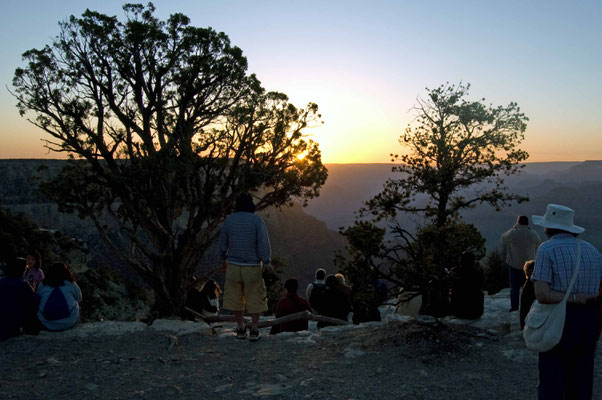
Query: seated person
(59, 299)
(34, 274)
(18, 302)
(203, 297)
(290, 304)
(527, 296)
(319, 285)
(466, 295)
(365, 304)
(333, 302)
(343, 287)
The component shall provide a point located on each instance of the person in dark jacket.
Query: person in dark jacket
(527, 296)
(290, 304)
(18, 302)
(334, 302)
(466, 295)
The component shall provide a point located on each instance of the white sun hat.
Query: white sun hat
(558, 217)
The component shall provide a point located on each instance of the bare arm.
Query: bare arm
(545, 295)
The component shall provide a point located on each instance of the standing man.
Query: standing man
(519, 245)
(244, 247)
(567, 371)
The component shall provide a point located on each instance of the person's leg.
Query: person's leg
(255, 296)
(239, 315)
(517, 279)
(254, 321)
(551, 375)
(254, 290)
(580, 328)
(234, 297)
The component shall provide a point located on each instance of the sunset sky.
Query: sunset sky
(365, 62)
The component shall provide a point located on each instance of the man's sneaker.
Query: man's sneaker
(254, 335)
(241, 334)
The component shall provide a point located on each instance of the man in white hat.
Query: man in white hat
(567, 370)
(519, 245)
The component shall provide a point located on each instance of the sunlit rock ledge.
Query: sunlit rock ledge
(496, 320)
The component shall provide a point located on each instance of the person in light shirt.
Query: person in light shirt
(567, 370)
(519, 245)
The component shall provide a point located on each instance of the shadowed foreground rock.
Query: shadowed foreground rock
(399, 358)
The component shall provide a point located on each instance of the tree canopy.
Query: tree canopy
(458, 152)
(165, 127)
(455, 155)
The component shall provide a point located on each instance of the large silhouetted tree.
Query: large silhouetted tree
(166, 128)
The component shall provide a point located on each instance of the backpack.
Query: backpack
(316, 296)
(56, 306)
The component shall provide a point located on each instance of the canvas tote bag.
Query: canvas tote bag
(545, 322)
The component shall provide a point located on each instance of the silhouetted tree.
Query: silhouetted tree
(455, 145)
(455, 157)
(169, 128)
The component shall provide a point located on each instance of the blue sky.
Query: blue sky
(365, 62)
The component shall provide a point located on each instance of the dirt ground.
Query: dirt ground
(411, 360)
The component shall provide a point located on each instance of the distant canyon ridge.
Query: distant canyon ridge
(306, 238)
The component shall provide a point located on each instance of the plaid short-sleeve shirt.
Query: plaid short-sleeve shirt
(555, 261)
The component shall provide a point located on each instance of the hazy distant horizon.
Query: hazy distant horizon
(324, 162)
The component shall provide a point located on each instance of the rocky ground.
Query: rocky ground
(401, 358)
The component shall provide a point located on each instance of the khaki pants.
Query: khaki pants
(245, 288)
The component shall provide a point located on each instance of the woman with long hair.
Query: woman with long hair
(34, 274)
(59, 298)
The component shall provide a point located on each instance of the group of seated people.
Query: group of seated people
(331, 296)
(328, 296)
(31, 300)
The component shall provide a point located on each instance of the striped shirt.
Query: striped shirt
(555, 261)
(243, 239)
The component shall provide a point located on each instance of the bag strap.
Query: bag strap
(575, 272)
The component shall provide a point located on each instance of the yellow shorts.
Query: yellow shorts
(245, 286)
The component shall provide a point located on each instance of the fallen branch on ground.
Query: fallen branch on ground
(265, 323)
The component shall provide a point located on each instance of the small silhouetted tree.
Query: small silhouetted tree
(454, 157)
(166, 128)
(457, 155)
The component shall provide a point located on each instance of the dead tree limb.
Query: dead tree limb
(265, 323)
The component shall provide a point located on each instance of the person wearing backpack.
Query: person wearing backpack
(333, 302)
(59, 299)
(319, 284)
